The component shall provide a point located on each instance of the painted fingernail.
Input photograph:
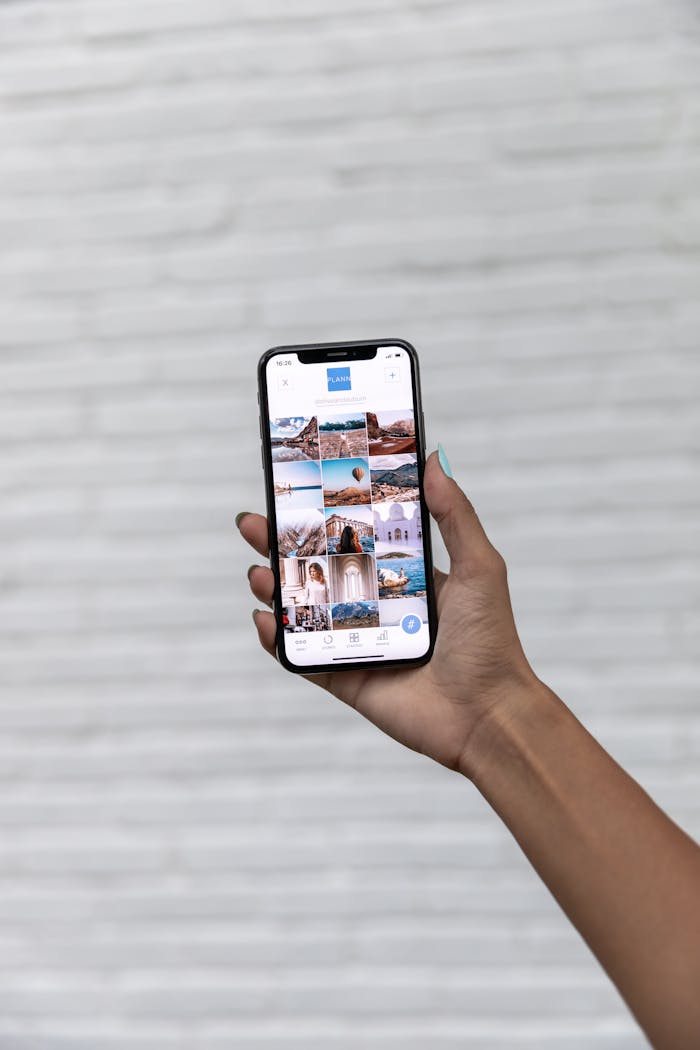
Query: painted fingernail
(250, 569)
(444, 461)
(255, 613)
(241, 514)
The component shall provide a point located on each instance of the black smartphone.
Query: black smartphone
(343, 449)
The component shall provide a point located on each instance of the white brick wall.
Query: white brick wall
(196, 851)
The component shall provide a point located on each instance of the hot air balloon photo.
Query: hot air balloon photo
(346, 482)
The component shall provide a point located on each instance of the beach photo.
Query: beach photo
(353, 578)
(400, 575)
(345, 482)
(294, 437)
(347, 615)
(342, 436)
(297, 483)
(349, 531)
(394, 478)
(301, 533)
(398, 528)
(304, 581)
(391, 433)
(302, 619)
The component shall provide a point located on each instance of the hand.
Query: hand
(478, 670)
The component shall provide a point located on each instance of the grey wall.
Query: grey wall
(197, 851)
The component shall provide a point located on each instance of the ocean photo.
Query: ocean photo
(400, 576)
(297, 483)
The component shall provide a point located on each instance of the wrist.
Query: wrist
(523, 709)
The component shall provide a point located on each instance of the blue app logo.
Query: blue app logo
(338, 378)
(411, 624)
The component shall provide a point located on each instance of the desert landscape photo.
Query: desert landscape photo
(391, 433)
(345, 482)
(343, 436)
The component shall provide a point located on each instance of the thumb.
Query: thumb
(467, 544)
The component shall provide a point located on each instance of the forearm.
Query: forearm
(624, 873)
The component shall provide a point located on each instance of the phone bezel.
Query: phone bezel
(266, 449)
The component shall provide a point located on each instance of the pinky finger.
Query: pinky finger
(267, 630)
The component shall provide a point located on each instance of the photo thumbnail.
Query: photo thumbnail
(394, 478)
(349, 531)
(298, 619)
(301, 533)
(297, 483)
(343, 436)
(398, 528)
(304, 581)
(391, 433)
(353, 578)
(400, 575)
(294, 437)
(348, 615)
(392, 613)
(345, 482)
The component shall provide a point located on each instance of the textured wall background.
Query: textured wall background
(197, 851)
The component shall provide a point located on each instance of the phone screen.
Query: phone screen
(347, 508)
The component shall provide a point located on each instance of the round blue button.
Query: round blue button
(411, 624)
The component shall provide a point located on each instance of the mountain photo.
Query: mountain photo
(394, 478)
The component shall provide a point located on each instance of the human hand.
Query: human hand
(478, 670)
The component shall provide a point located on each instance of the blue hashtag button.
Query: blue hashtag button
(411, 624)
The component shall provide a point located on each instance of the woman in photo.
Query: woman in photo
(316, 592)
(349, 543)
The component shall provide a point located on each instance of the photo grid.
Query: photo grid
(349, 527)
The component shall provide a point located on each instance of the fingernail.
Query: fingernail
(241, 514)
(444, 461)
(250, 569)
(255, 613)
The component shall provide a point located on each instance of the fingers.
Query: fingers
(464, 537)
(262, 583)
(253, 528)
(266, 628)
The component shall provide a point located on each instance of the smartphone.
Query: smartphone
(343, 451)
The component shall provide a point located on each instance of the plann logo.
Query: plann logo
(338, 378)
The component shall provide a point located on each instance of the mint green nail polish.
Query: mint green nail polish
(444, 461)
(241, 514)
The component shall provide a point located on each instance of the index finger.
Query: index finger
(253, 528)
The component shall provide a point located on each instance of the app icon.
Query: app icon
(354, 636)
(411, 624)
(338, 378)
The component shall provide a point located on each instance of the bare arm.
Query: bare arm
(624, 873)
